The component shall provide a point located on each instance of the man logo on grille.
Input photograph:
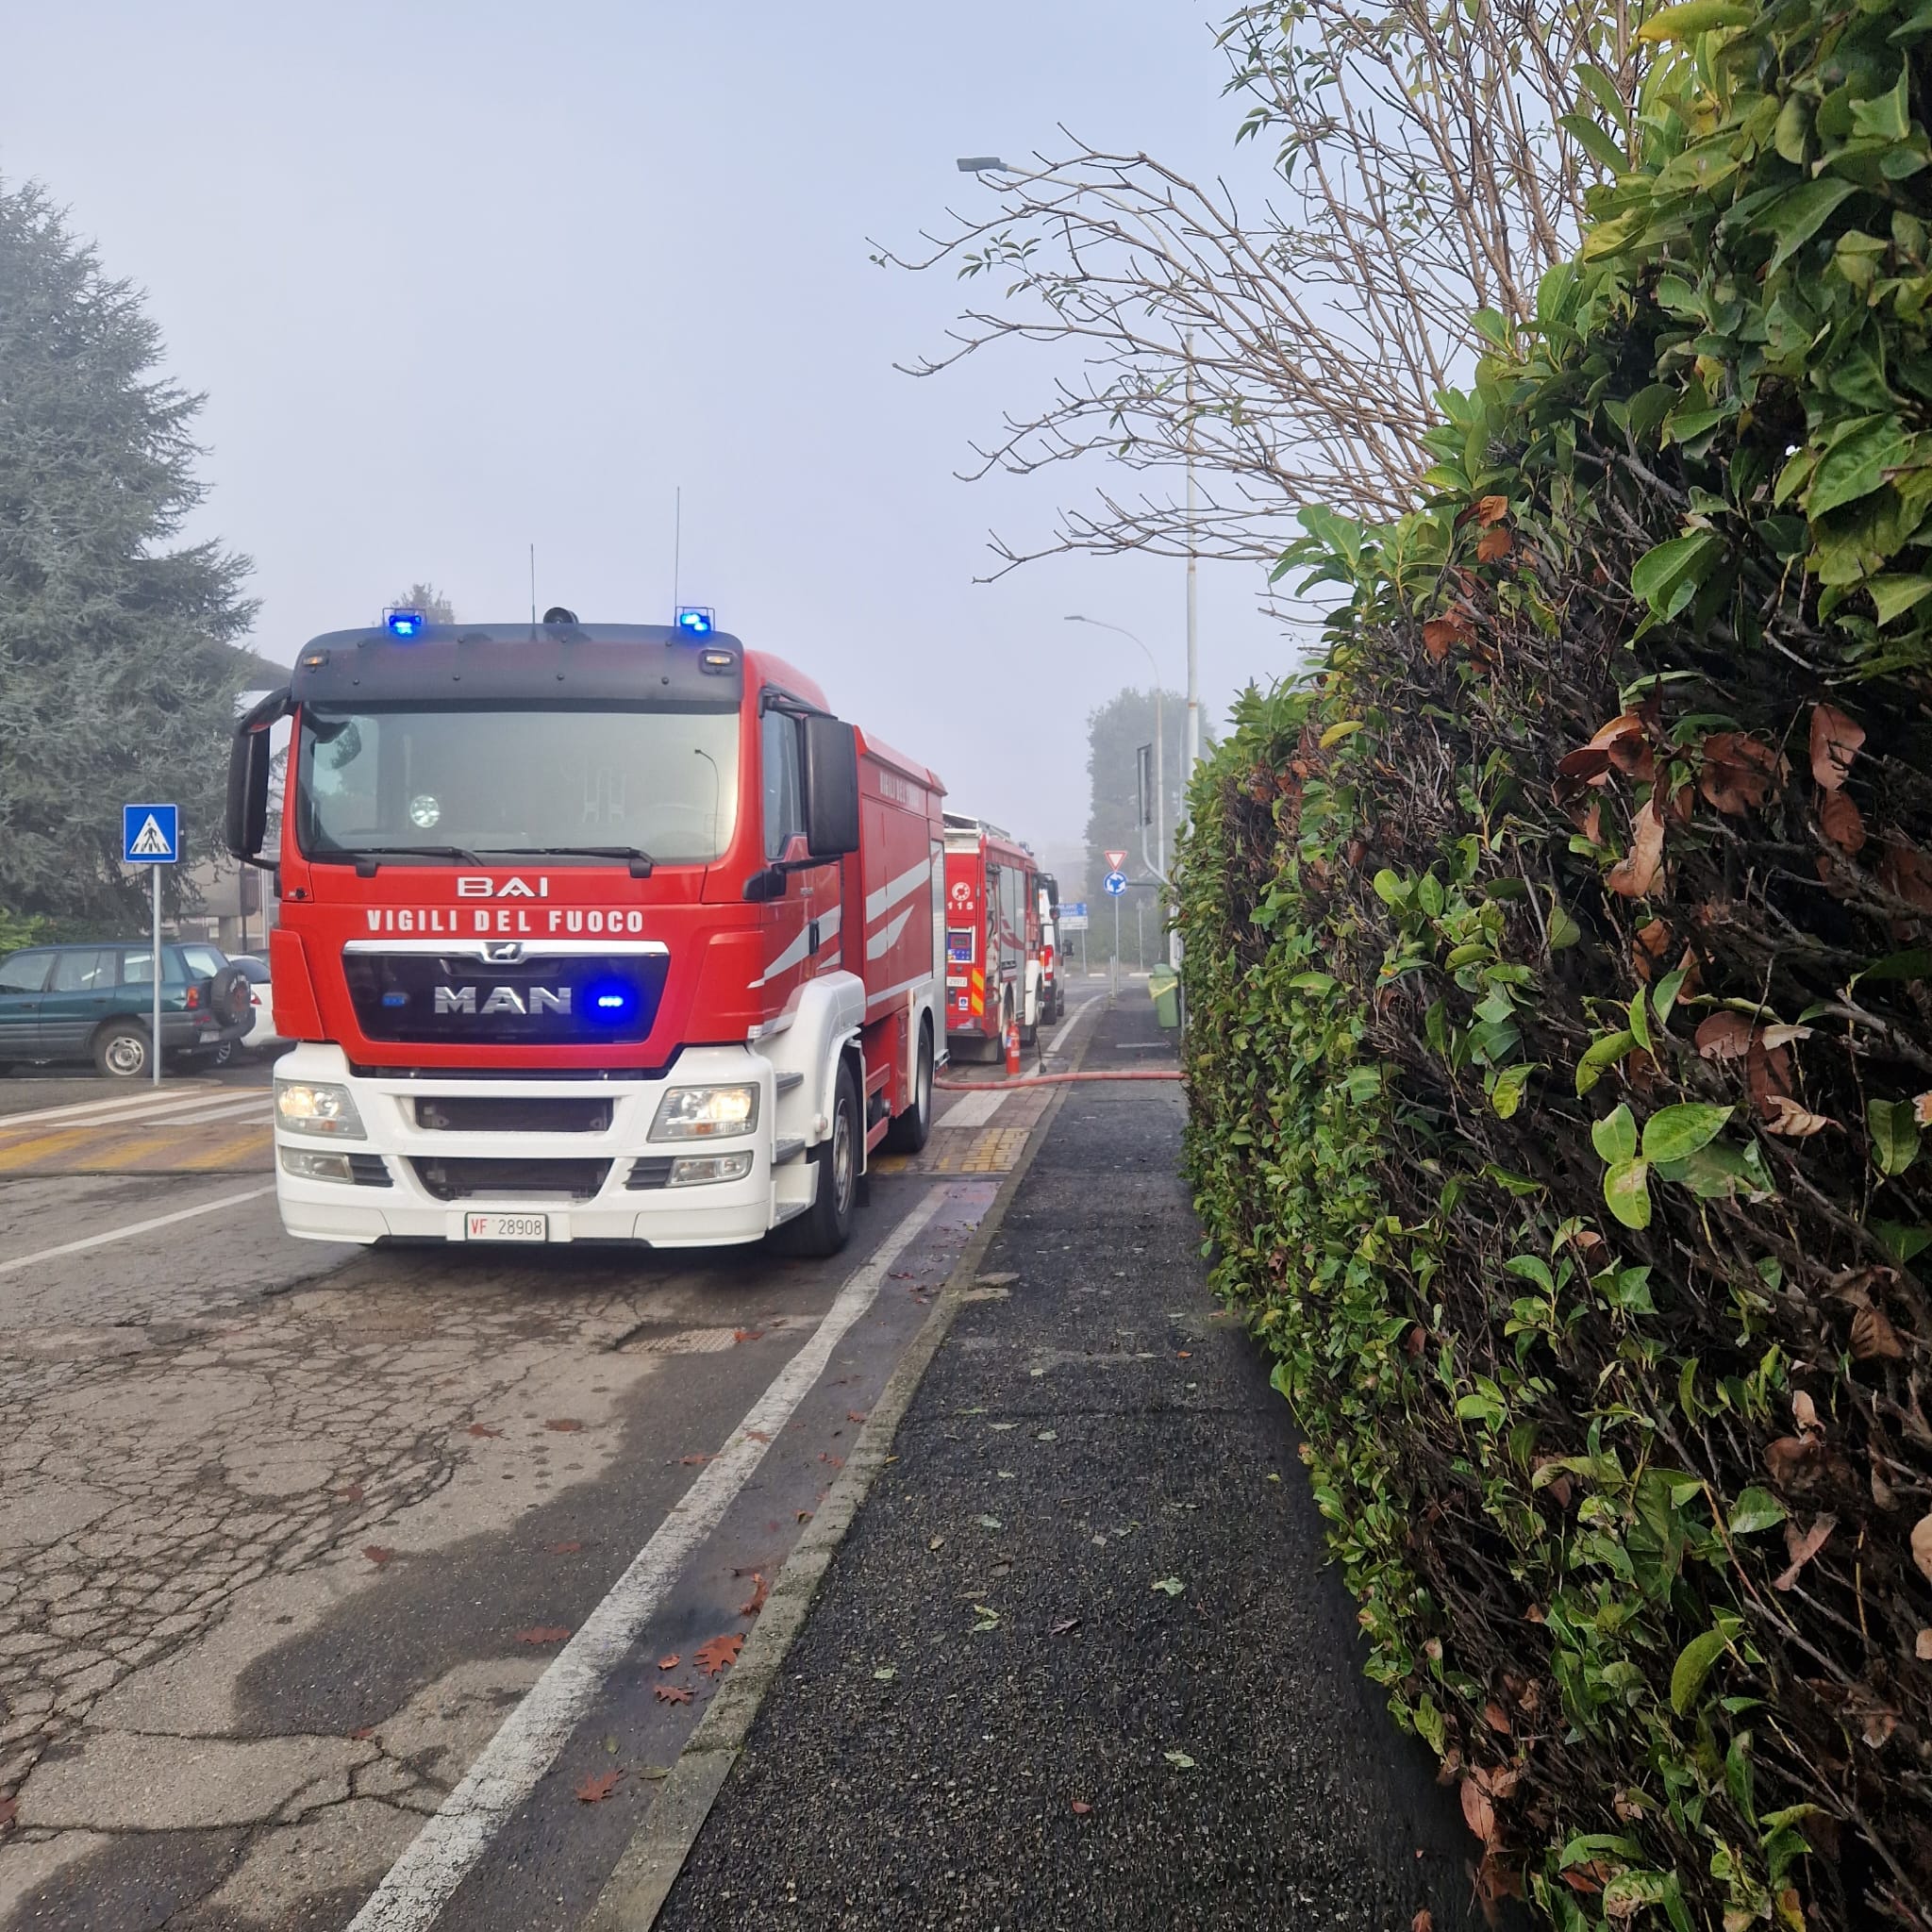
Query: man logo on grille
(503, 999)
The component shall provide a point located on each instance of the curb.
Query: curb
(641, 1879)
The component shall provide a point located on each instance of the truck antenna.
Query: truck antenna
(676, 540)
(533, 583)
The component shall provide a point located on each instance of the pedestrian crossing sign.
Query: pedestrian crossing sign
(150, 835)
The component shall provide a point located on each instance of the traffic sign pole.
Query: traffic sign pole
(151, 836)
(154, 874)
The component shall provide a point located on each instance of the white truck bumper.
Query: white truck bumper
(603, 1184)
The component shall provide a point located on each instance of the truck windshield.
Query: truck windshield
(489, 782)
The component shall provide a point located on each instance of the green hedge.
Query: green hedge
(1559, 970)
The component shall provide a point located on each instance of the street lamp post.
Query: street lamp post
(1160, 747)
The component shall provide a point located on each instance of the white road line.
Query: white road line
(971, 1109)
(121, 1234)
(140, 1107)
(425, 1878)
(255, 1104)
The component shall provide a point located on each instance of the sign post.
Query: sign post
(151, 836)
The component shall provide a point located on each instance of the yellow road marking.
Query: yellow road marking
(254, 1140)
(42, 1145)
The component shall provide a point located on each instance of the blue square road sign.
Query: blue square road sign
(150, 835)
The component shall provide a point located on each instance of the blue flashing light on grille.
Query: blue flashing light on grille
(609, 1001)
(695, 620)
(405, 624)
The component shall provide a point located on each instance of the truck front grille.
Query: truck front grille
(513, 1113)
(520, 1180)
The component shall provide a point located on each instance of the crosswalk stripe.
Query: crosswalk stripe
(133, 1107)
(39, 1149)
(255, 1139)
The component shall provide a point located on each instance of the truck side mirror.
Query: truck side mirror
(246, 822)
(831, 787)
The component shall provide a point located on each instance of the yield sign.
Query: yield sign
(1115, 860)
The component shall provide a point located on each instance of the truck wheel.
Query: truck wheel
(825, 1227)
(120, 1050)
(907, 1133)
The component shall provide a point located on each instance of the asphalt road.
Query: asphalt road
(289, 1534)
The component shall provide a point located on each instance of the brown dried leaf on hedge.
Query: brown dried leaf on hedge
(1835, 742)
(1493, 544)
(1922, 1546)
(1637, 871)
(1801, 1549)
(1874, 1338)
(1783, 1115)
(1491, 510)
(1725, 1037)
(1627, 744)
(1477, 1811)
(1841, 821)
(1441, 635)
(1737, 772)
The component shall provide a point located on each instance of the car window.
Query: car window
(81, 971)
(24, 971)
(203, 961)
(253, 970)
(136, 967)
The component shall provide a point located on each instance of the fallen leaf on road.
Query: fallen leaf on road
(718, 1653)
(1003, 1425)
(352, 1493)
(564, 1424)
(377, 1554)
(543, 1633)
(990, 1523)
(747, 1334)
(1424, 1921)
(989, 1618)
(1172, 1586)
(362, 1733)
(671, 1662)
(1047, 1436)
(756, 1436)
(855, 1415)
(565, 1549)
(1082, 1807)
(837, 1461)
(995, 1280)
(885, 1673)
(805, 1516)
(1183, 1355)
(1179, 1759)
(482, 1429)
(693, 1462)
(594, 1791)
(1064, 1624)
(936, 1542)
(673, 1694)
(760, 1591)
(8, 1807)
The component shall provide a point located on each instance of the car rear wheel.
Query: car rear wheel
(120, 1050)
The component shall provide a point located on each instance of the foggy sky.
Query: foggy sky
(459, 275)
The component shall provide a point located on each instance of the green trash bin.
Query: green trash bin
(1164, 984)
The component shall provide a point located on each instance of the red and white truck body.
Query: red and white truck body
(993, 944)
(587, 933)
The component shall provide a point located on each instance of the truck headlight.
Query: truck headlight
(706, 1113)
(697, 1170)
(317, 1107)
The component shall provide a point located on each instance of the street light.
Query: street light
(981, 164)
(1159, 752)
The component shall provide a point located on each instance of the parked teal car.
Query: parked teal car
(95, 1002)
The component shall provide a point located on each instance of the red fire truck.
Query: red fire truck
(993, 938)
(588, 932)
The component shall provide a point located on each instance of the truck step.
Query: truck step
(788, 1081)
(788, 1150)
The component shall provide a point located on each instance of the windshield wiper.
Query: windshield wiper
(368, 857)
(640, 862)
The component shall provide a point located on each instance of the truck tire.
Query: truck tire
(909, 1131)
(825, 1227)
(121, 1050)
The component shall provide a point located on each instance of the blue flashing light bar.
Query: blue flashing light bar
(405, 624)
(696, 620)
